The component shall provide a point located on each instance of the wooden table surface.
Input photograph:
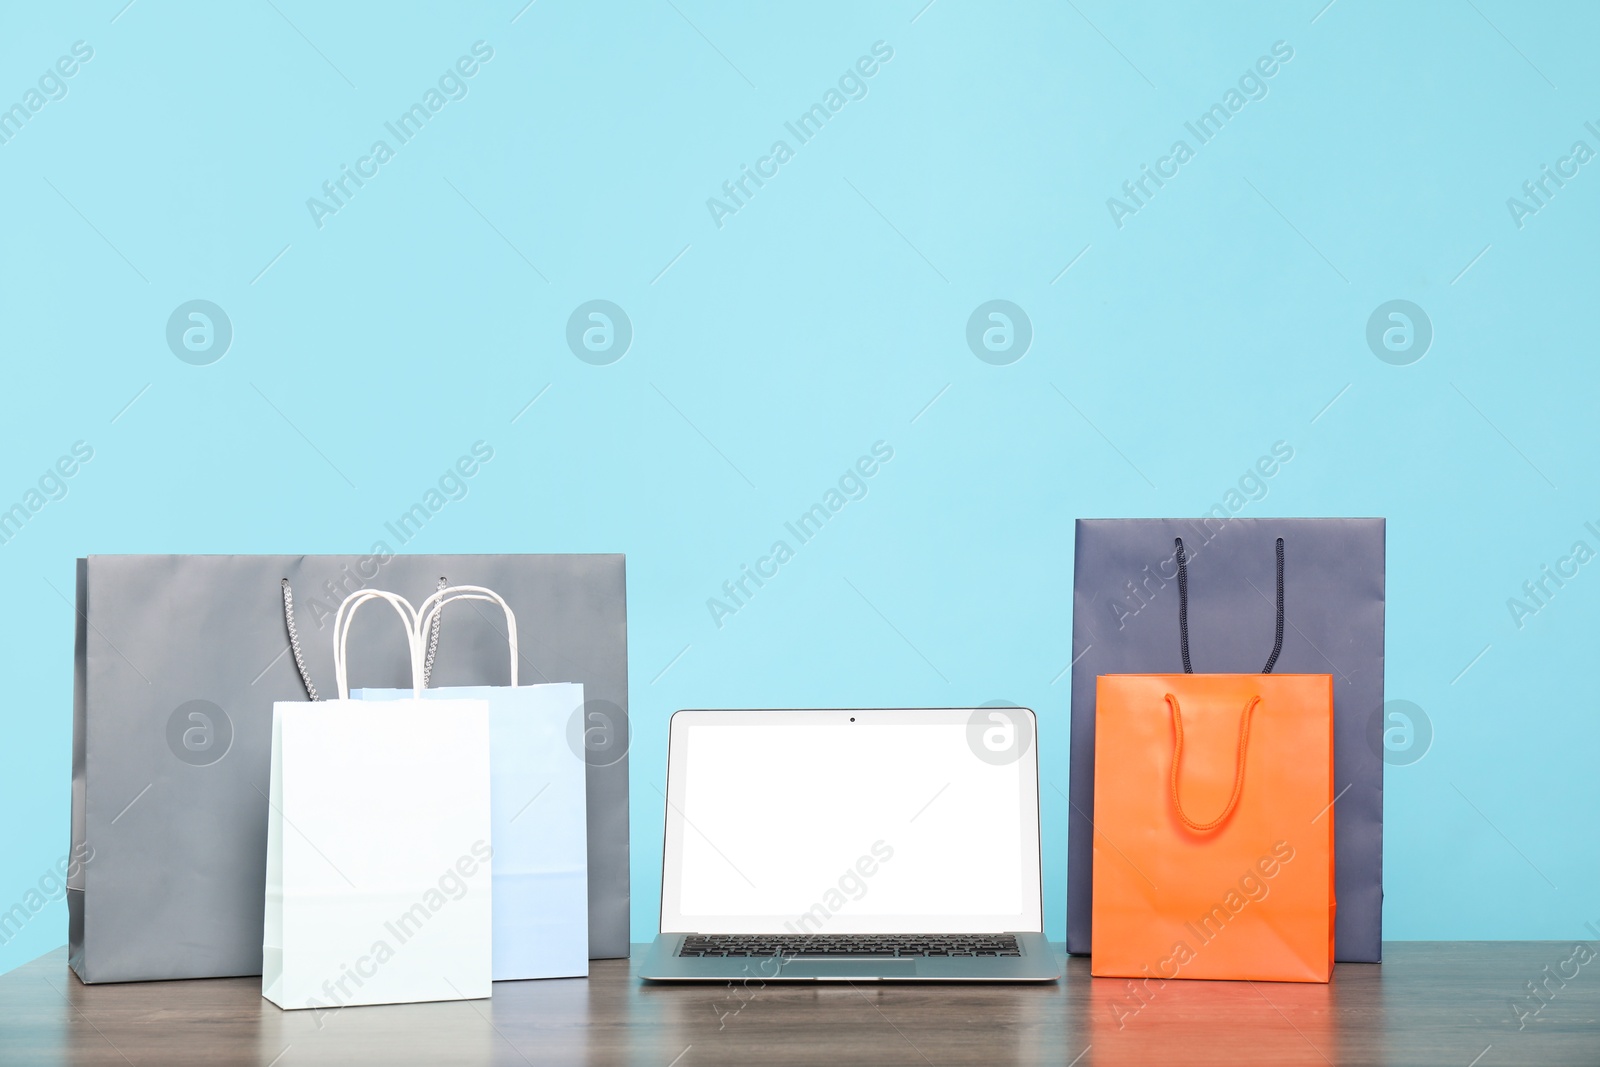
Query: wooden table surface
(1454, 1003)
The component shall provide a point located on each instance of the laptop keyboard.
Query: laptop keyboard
(858, 946)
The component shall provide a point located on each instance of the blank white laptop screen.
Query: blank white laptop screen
(807, 821)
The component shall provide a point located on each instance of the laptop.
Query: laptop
(858, 844)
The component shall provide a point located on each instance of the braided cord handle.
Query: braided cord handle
(299, 657)
(294, 641)
(434, 606)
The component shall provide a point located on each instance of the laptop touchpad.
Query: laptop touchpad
(849, 968)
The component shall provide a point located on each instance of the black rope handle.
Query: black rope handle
(1277, 640)
(1183, 609)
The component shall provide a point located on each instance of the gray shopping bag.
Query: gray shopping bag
(1125, 620)
(178, 662)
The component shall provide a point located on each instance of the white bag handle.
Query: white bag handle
(435, 603)
(341, 635)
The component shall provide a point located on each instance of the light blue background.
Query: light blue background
(770, 353)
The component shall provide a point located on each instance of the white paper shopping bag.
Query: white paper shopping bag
(538, 787)
(379, 844)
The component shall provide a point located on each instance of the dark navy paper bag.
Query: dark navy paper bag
(1125, 621)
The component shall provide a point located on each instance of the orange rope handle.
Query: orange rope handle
(1238, 776)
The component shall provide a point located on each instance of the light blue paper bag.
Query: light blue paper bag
(537, 812)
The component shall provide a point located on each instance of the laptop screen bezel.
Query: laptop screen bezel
(674, 920)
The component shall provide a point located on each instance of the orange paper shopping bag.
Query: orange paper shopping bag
(1213, 822)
